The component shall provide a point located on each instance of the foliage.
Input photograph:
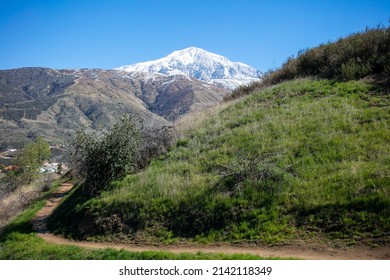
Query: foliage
(302, 156)
(103, 156)
(28, 161)
(355, 57)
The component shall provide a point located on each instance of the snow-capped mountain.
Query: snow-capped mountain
(200, 64)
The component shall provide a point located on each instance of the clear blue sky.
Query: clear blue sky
(111, 33)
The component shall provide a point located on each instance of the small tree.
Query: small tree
(28, 161)
(99, 158)
(43, 149)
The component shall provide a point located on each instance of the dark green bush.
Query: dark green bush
(101, 157)
(355, 57)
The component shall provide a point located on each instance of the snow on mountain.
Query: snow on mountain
(200, 64)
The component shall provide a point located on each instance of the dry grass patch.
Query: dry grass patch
(13, 203)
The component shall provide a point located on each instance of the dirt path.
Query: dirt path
(303, 251)
(39, 222)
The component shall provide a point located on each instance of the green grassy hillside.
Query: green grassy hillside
(18, 241)
(302, 159)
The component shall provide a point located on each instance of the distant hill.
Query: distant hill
(54, 103)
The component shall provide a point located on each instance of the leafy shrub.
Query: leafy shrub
(100, 157)
(354, 69)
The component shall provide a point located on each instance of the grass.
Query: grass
(14, 202)
(19, 242)
(20, 246)
(305, 156)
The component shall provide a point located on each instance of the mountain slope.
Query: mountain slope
(173, 96)
(54, 103)
(199, 64)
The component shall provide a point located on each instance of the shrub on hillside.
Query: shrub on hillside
(100, 157)
(355, 57)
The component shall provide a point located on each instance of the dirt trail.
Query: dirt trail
(39, 222)
(303, 251)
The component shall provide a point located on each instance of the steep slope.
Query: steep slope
(298, 162)
(199, 64)
(174, 96)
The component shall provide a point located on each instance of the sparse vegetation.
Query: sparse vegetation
(13, 203)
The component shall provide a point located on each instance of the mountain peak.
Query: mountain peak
(190, 50)
(200, 64)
